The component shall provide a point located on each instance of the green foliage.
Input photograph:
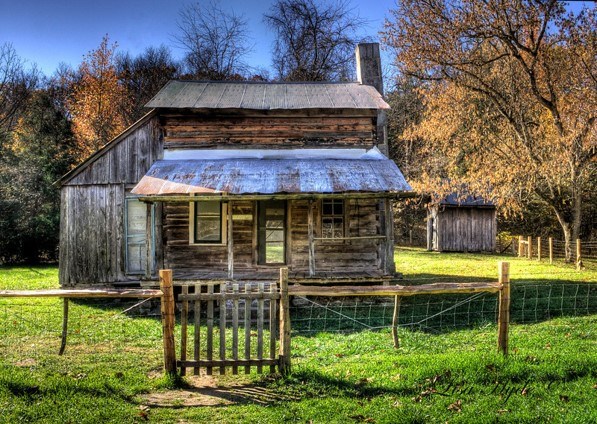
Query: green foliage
(36, 155)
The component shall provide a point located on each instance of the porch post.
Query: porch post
(230, 242)
(389, 224)
(148, 242)
(311, 247)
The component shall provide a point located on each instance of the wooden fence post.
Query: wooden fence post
(504, 306)
(539, 249)
(167, 309)
(578, 256)
(284, 323)
(64, 326)
(395, 322)
(550, 250)
(530, 247)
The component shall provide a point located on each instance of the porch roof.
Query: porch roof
(267, 176)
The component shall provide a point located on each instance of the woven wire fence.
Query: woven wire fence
(530, 302)
(31, 329)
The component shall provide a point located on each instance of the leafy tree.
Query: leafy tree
(38, 153)
(315, 41)
(215, 41)
(144, 75)
(99, 105)
(16, 85)
(511, 99)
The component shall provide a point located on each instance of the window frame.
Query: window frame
(223, 224)
(340, 239)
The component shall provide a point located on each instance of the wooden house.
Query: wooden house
(459, 224)
(232, 180)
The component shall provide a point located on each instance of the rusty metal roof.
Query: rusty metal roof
(271, 176)
(266, 95)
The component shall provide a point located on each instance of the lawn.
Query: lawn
(111, 371)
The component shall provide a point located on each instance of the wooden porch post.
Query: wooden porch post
(390, 266)
(311, 246)
(148, 242)
(230, 242)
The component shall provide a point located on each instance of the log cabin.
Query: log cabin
(462, 223)
(232, 180)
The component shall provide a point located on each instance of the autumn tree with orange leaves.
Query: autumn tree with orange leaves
(99, 106)
(510, 95)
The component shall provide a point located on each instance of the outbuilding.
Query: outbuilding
(462, 224)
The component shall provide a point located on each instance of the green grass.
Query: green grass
(113, 360)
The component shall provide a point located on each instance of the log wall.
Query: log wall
(362, 219)
(270, 128)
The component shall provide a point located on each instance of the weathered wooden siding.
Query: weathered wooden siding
(353, 255)
(270, 128)
(185, 258)
(127, 160)
(92, 236)
(361, 219)
(92, 209)
(463, 229)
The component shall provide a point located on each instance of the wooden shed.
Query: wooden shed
(459, 224)
(231, 180)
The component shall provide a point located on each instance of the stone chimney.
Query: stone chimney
(369, 65)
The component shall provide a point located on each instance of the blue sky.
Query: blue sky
(48, 32)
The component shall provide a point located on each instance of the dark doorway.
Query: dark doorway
(272, 232)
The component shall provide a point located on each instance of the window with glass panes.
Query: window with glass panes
(208, 222)
(332, 218)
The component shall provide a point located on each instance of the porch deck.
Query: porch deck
(360, 277)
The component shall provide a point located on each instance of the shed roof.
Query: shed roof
(266, 95)
(271, 176)
(463, 200)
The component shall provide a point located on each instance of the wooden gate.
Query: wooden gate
(234, 325)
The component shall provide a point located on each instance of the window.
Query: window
(135, 235)
(207, 227)
(332, 218)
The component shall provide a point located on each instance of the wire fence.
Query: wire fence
(530, 302)
(31, 328)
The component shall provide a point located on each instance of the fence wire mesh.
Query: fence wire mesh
(530, 302)
(31, 328)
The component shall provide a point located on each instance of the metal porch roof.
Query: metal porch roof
(271, 176)
(266, 95)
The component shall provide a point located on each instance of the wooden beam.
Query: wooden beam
(311, 240)
(390, 267)
(148, 233)
(298, 196)
(230, 240)
(351, 238)
(436, 288)
(84, 293)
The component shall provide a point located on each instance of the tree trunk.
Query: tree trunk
(570, 221)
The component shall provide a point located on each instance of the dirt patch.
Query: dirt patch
(208, 390)
(29, 362)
